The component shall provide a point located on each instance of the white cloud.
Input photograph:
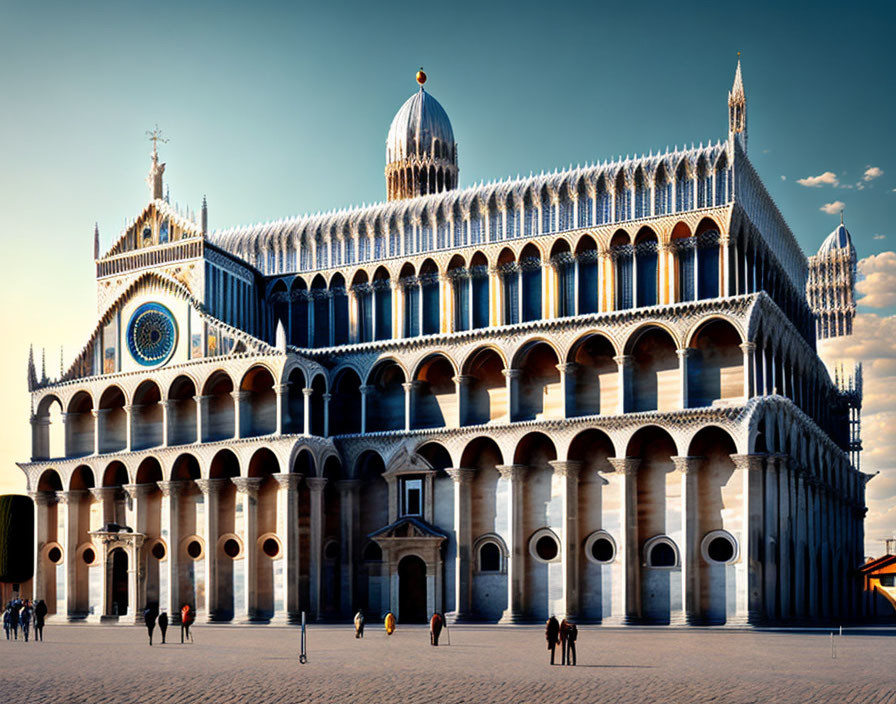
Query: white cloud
(783, 177)
(833, 208)
(872, 172)
(880, 237)
(878, 283)
(828, 178)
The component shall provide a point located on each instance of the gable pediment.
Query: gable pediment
(158, 225)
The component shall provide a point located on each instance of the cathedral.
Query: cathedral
(594, 393)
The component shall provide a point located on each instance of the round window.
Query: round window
(662, 555)
(231, 548)
(271, 547)
(151, 334)
(602, 550)
(720, 549)
(88, 556)
(158, 551)
(194, 549)
(55, 555)
(331, 551)
(546, 548)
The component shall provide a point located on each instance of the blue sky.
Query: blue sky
(275, 109)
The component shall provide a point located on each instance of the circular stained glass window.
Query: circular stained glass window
(152, 334)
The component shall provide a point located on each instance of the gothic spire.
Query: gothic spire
(32, 372)
(96, 241)
(204, 216)
(737, 109)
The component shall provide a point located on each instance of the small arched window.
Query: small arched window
(489, 558)
(661, 552)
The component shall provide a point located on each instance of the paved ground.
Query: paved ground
(108, 664)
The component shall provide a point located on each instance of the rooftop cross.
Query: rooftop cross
(155, 136)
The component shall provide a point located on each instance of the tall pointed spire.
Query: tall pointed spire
(32, 372)
(43, 365)
(204, 216)
(737, 108)
(96, 241)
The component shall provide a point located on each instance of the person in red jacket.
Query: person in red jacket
(435, 628)
(187, 616)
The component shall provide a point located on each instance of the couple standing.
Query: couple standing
(565, 633)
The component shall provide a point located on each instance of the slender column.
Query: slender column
(462, 387)
(548, 291)
(447, 304)
(496, 298)
(567, 372)
(749, 350)
(288, 532)
(69, 539)
(211, 489)
(247, 495)
(514, 474)
(683, 355)
(568, 474)
(170, 510)
(109, 499)
(280, 391)
(201, 416)
(353, 327)
(463, 535)
(42, 501)
(306, 410)
(512, 376)
(800, 604)
(327, 399)
(690, 543)
(365, 392)
(97, 430)
(624, 363)
(349, 523)
(784, 545)
(410, 397)
(128, 425)
(316, 488)
(629, 548)
(605, 282)
(749, 569)
(726, 285)
(238, 398)
(166, 410)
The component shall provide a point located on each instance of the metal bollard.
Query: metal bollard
(303, 656)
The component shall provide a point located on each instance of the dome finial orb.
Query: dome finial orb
(421, 77)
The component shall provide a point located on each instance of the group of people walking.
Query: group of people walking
(565, 634)
(151, 616)
(19, 613)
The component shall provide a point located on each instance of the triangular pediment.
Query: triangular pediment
(408, 527)
(158, 225)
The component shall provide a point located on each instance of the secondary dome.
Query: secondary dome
(421, 154)
(838, 239)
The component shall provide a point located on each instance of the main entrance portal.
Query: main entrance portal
(119, 582)
(412, 590)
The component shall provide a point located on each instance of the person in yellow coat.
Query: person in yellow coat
(390, 623)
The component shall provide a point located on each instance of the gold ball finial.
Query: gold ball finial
(421, 77)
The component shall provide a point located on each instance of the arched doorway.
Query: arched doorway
(119, 582)
(412, 590)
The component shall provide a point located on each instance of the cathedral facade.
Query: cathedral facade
(592, 393)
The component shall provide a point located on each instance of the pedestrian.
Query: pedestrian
(435, 628)
(7, 620)
(564, 635)
(187, 616)
(40, 615)
(571, 644)
(25, 618)
(390, 623)
(552, 635)
(163, 625)
(14, 619)
(359, 624)
(149, 618)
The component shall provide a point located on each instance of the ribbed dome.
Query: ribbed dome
(416, 127)
(838, 239)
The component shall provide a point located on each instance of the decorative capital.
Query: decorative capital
(72, 496)
(307, 391)
(685, 352)
(748, 347)
(210, 486)
(566, 468)
(104, 493)
(281, 389)
(328, 397)
(513, 472)
(625, 465)
(43, 498)
(686, 465)
(567, 367)
(316, 484)
(463, 379)
(748, 462)
(511, 373)
(247, 485)
(461, 475)
(623, 360)
(411, 385)
(239, 395)
(171, 489)
(288, 481)
(366, 389)
(201, 399)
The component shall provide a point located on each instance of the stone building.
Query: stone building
(591, 393)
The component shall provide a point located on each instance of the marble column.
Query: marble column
(349, 524)
(567, 472)
(513, 398)
(327, 399)
(683, 355)
(288, 532)
(211, 489)
(514, 475)
(567, 373)
(201, 417)
(365, 392)
(110, 500)
(410, 402)
(307, 392)
(629, 546)
(239, 425)
(281, 394)
(463, 535)
(749, 350)
(624, 364)
(166, 412)
(751, 565)
(785, 572)
(170, 513)
(247, 529)
(69, 536)
(316, 489)
(462, 387)
(690, 542)
(800, 605)
(42, 501)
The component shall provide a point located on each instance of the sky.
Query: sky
(278, 108)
